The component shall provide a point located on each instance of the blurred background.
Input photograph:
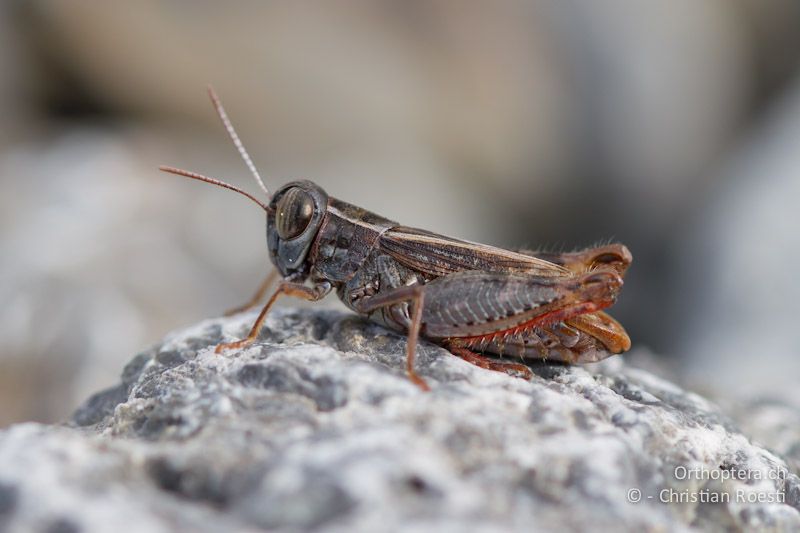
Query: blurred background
(672, 126)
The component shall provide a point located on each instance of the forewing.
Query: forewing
(438, 255)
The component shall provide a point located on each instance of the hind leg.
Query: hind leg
(415, 294)
(512, 369)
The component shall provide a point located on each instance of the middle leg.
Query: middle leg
(416, 295)
(257, 297)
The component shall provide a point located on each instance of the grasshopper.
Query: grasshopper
(472, 299)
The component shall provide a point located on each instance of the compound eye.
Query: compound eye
(294, 212)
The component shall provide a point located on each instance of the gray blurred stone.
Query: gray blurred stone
(739, 296)
(316, 427)
(101, 253)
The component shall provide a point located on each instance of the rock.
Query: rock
(774, 421)
(317, 427)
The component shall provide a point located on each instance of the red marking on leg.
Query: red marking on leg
(512, 369)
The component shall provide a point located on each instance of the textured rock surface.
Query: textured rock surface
(317, 427)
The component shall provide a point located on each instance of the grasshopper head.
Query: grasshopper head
(295, 214)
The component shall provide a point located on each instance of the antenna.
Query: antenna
(235, 138)
(213, 181)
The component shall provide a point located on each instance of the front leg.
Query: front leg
(289, 288)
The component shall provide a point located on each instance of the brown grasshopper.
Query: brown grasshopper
(470, 298)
